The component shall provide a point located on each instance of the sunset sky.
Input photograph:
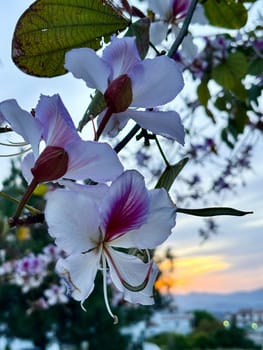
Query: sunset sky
(229, 261)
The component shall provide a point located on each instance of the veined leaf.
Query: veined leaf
(50, 28)
(170, 173)
(226, 13)
(213, 211)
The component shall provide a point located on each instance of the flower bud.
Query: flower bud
(118, 95)
(51, 165)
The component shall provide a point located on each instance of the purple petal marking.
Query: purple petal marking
(126, 207)
(59, 128)
(180, 8)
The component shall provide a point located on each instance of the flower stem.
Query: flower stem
(127, 138)
(24, 200)
(103, 123)
(162, 152)
(33, 210)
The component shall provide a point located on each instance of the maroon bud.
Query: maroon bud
(51, 165)
(118, 95)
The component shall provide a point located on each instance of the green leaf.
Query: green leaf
(96, 106)
(140, 30)
(50, 28)
(203, 92)
(226, 13)
(255, 67)
(229, 72)
(213, 211)
(170, 173)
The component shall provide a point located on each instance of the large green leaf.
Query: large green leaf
(229, 14)
(50, 28)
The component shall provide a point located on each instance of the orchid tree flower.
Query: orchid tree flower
(91, 232)
(65, 154)
(132, 87)
(169, 14)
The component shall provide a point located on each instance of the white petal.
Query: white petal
(26, 166)
(165, 123)
(73, 220)
(84, 64)
(199, 15)
(161, 7)
(122, 54)
(22, 122)
(161, 220)
(79, 272)
(158, 32)
(94, 160)
(133, 271)
(96, 192)
(116, 123)
(58, 125)
(155, 82)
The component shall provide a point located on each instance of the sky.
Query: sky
(229, 261)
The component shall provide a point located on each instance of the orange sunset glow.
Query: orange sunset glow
(183, 275)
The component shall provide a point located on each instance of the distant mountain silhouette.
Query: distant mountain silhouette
(220, 303)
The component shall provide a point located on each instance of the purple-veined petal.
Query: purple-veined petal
(26, 166)
(73, 220)
(22, 122)
(116, 123)
(129, 270)
(126, 205)
(85, 64)
(96, 192)
(58, 125)
(158, 32)
(122, 54)
(79, 272)
(160, 221)
(165, 123)
(155, 82)
(180, 8)
(92, 160)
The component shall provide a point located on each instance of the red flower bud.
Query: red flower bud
(51, 164)
(118, 95)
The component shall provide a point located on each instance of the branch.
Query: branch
(184, 30)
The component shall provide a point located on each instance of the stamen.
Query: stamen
(104, 273)
(14, 144)
(82, 306)
(127, 285)
(15, 154)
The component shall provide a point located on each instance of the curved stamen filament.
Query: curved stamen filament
(14, 144)
(126, 284)
(104, 273)
(15, 154)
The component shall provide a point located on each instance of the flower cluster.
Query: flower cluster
(31, 271)
(111, 223)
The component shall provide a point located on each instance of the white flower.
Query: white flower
(132, 87)
(92, 231)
